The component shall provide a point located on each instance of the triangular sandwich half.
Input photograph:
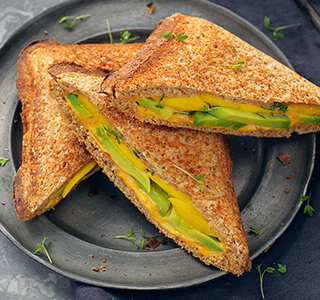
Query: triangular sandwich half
(179, 179)
(53, 161)
(208, 79)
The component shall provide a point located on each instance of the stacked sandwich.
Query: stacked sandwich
(154, 118)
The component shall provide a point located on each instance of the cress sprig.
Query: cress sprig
(43, 248)
(277, 106)
(308, 208)
(125, 35)
(276, 30)
(256, 230)
(3, 161)
(128, 237)
(147, 238)
(70, 26)
(269, 270)
(180, 36)
(238, 65)
(196, 178)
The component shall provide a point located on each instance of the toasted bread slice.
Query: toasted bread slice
(213, 81)
(157, 168)
(53, 161)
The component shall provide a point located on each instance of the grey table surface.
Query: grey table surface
(20, 276)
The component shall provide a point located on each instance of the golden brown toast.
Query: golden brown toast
(212, 61)
(51, 154)
(164, 154)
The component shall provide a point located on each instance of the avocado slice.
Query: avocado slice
(210, 242)
(159, 196)
(206, 119)
(267, 120)
(103, 137)
(161, 110)
(73, 99)
(309, 119)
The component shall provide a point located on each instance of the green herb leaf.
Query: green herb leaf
(3, 161)
(160, 105)
(43, 248)
(249, 206)
(276, 106)
(180, 36)
(256, 230)
(63, 19)
(276, 30)
(239, 64)
(117, 134)
(147, 238)
(282, 269)
(196, 178)
(125, 35)
(269, 270)
(128, 237)
(308, 208)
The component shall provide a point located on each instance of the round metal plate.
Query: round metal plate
(81, 230)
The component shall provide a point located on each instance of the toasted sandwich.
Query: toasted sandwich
(179, 179)
(195, 74)
(53, 161)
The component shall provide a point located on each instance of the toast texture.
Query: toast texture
(202, 64)
(160, 148)
(51, 154)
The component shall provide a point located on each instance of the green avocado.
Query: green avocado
(162, 111)
(160, 197)
(309, 119)
(73, 99)
(267, 120)
(210, 242)
(206, 119)
(103, 137)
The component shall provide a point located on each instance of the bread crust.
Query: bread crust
(161, 148)
(51, 153)
(202, 64)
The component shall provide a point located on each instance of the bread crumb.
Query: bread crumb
(285, 159)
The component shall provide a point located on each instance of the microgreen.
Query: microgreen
(43, 248)
(308, 208)
(128, 237)
(196, 178)
(282, 268)
(160, 105)
(3, 161)
(256, 230)
(63, 19)
(137, 153)
(276, 30)
(147, 238)
(125, 35)
(249, 206)
(180, 36)
(269, 270)
(117, 134)
(239, 65)
(277, 106)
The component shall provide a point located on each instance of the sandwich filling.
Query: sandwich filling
(86, 171)
(170, 208)
(208, 110)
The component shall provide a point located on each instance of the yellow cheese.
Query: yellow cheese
(78, 176)
(182, 103)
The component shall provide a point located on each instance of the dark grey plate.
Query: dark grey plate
(81, 230)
